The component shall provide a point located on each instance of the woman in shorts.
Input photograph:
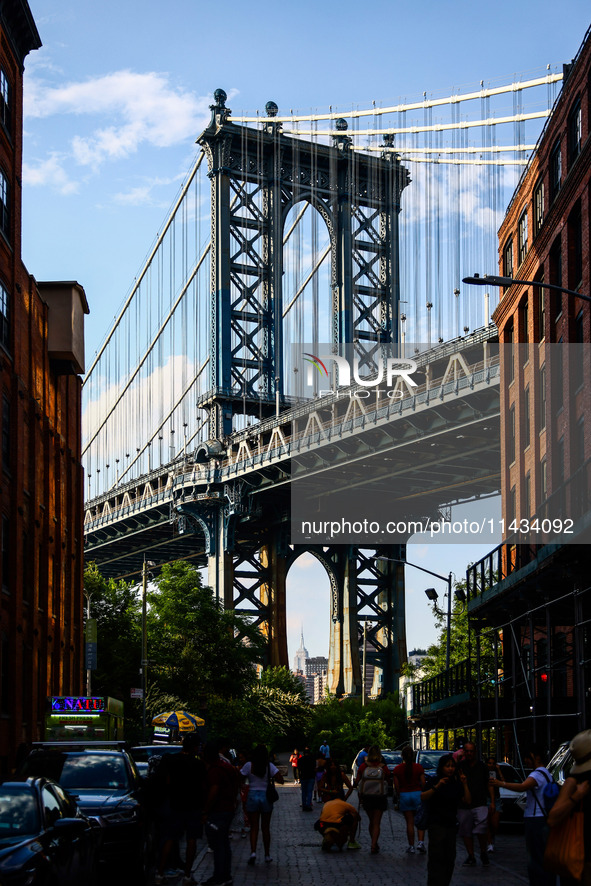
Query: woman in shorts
(258, 808)
(372, 785)
(409, 781)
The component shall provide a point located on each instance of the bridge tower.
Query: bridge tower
(257, 176)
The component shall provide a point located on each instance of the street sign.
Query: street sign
(136, 693)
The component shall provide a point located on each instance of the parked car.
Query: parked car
(429, 760)
(44, 838)
(142, 754)
(511, 810)
(105, 783)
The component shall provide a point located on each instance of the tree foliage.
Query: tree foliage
(284, 679)
(348, 726)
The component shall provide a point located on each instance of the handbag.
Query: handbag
(272, 795)
(565, 848)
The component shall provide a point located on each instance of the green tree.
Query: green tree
(462, 644)
(117, 610)
(196, 648)
(282, 678)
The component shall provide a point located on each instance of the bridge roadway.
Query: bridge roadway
(430, 448)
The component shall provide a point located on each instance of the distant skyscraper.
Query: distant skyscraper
(301, 656)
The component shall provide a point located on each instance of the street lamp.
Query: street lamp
(492, 280)
(432, 595)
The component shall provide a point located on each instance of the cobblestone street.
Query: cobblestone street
(297, 858)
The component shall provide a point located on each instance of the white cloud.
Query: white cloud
(142, 108)
(50, 173)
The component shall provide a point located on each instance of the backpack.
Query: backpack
(373, 782)
(550, 792)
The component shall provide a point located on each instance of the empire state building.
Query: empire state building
(301, 656)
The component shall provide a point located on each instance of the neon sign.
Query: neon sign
(76, 704)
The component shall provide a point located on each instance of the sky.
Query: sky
(117, 95)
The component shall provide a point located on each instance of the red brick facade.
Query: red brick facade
(545, 236)
(41, 474)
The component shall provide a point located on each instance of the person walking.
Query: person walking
(325, 750)
(442, 800)
(494, 817)
(307, 770)
(409, 781)
(182, 778)
(473, 817)
(293, 762)
(576, 790)
(371, 782)
(534, 816)
(223, 785)
(259, 772)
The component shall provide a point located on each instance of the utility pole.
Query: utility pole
(144, 645)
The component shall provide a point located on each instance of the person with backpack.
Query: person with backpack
(534, 816)
(372, 785)
(409, 781)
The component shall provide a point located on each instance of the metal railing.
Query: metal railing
(443, 687)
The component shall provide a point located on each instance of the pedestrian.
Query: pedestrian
(319, 775)
(182, 780)
(494, 817)
(259, 808)
(334, 781)
(442, 800)
(242, 758)
(576, 790)
(372, 782)
(473, 817)
(534, 816)
(325, 749)
(337, 824)
(293, 762)
(223, 784)
(409, 781)
(307, 772)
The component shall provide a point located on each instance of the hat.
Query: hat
(580, 748)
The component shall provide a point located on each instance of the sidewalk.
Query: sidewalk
(298, 860)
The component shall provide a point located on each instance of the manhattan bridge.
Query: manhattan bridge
(206, 408)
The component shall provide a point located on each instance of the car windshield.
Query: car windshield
(81, 771)
(430, 759)
(19, 815)
(391, 759)
(143, 754)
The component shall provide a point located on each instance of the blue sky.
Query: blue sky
(117, 95)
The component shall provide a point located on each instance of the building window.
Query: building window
(579, 441)
(512, 504)
(4, 205)
(5, 433)
(542, 401)
(5, 682)
(5, 102)
(543, 480)
(578, 352)
(538, 207)
(524, 331)
(508, 354)
(527, 495)
(541, 311)
(559, 466)
(555, 170)
(575, 247)
(574, 131)
(511, 441)
(556, 277)
(522, 238)
(508, 259)
(558, 376)
(526, 420)
(4, 316)
(6, 553)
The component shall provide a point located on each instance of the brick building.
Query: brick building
(530, 598)
(533, 593)
(41, 357)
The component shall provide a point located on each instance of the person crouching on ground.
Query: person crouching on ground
(337, 824)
